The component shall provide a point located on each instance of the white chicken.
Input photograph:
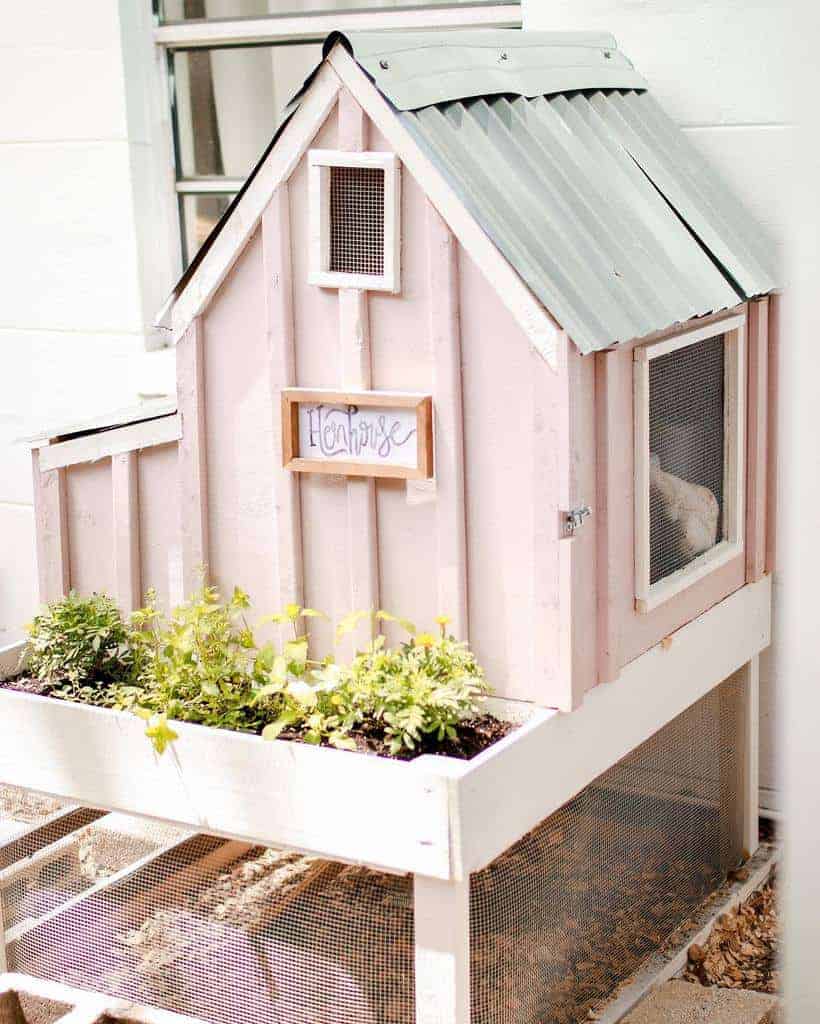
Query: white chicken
(693, 508)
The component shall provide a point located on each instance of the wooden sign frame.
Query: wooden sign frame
(292, 398)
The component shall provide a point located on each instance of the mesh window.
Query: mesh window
(686, 447)
(357, 220)
(570, 911)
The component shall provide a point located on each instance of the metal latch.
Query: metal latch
(573, 519)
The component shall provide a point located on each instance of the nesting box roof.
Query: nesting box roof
(604, 208)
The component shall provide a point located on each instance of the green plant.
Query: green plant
(203, 665)
(81, 646)
(422, 689)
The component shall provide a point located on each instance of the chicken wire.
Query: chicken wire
(213, 927)
(570, 911)
(686, 447)
(357, 220)
(21, 809)
(77, 861)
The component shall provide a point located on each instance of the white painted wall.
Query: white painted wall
(720, 68)
(86, 249)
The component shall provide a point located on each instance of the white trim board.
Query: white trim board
(340, 69)
(106, 443)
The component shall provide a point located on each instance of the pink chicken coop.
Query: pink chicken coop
(482, 334)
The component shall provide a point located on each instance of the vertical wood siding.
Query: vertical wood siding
(277, 263)
(192, 457)
(91, 527)
(50, 513)
(126, 514)
(160, 541)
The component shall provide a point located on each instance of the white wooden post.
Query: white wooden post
(749, 674)
(442, 934)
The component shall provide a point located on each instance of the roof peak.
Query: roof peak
(419, 69)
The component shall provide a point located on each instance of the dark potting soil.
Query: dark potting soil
(27, 684)
(473, 734)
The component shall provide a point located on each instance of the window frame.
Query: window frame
(284, 30)
(320, 162)
(650, 595)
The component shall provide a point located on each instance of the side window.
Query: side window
(354, 216)
(689, 458)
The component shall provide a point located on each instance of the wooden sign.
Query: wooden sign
(357, 433)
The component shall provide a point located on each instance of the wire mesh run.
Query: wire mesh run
(77, 862)
(686, 447)
(30, 821)
(212, 928)
(560, 919)
(357, 220)
(22, 808)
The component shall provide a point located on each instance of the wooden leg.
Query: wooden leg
(442, 927)
(750, 676)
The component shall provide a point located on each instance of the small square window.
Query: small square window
(689, 401)
(354, 211)
(357, 220)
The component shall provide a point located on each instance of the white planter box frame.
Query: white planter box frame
(438, 818)
(434, 816)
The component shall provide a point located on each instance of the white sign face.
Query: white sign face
(358, 433)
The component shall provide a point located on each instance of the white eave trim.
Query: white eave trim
(340, 70)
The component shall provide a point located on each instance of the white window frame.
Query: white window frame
(649, 596)
(320, 162)
(294, 29)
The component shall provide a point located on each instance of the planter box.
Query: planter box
(389, 814)
(434, 816)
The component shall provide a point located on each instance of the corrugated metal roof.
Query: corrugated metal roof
(603, 207)
(597, 199)
(417, 69)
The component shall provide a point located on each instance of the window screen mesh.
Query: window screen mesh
(686, 448)
(570, 911)
(357, 220)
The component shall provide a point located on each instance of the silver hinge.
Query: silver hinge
(573, 519)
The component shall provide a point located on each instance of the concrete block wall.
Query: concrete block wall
(86, 253)
(720, 68)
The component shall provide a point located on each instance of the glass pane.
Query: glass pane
(686, 451)
(229, 103)
(193, 10)
(199, 214)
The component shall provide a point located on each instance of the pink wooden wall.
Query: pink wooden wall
(515, 442)
(481, 543)
(110, 525)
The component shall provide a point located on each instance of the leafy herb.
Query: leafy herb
(81, 646)
(425, 687)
